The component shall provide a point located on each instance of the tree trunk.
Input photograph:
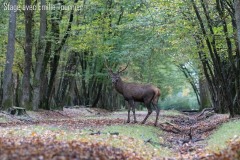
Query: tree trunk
(39, 58)
(204, 93)
(7, 81)
(99, 89)
(44, 77)
(57, 50)
(1, 87)
(237, 16)
(16, 82)
(25, 100)
(65, 84)
(222, 84)
(83, 63)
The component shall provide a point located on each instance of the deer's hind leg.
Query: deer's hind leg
(148, 105)
(155, 104)
(157, 113)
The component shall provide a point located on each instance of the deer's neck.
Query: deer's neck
(119, 86)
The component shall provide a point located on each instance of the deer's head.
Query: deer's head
(115, 76)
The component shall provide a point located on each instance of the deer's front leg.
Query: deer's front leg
(129, 109)
(131, 105)
(133, 110)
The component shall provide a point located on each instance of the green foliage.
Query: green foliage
(179, 102)
(141, 38)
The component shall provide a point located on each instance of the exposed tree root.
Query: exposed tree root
(209, 111)
(169, 127)
(19, 114)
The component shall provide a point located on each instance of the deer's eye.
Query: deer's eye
(115, 80)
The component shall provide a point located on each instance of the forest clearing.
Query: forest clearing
(86, 133)
(119, 79)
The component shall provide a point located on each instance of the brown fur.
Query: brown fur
(132, 92)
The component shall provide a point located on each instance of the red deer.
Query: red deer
(132, 92)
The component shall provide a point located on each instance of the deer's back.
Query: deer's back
(140, 92)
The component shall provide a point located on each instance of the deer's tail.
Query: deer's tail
(157, 94)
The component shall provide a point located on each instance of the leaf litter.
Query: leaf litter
(66, 135)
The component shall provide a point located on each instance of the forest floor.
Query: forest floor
(84, 133)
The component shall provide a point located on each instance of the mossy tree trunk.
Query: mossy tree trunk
(25, 99)
(7, 81)
(237, 16)
(205, 100)
(40, 58)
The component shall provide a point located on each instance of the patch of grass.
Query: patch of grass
(171, 113)
(136, 131)
(218, 140)
(137, 135)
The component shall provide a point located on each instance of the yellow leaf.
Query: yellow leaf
(33, 134)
